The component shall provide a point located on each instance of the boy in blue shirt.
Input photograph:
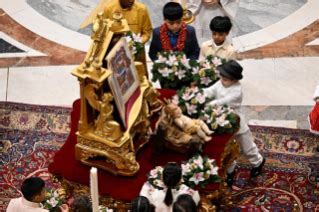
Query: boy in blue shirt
(174, 34)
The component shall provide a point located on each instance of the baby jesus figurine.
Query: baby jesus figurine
(187, 124)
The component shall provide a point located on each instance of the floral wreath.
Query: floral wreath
(191, 100)
(221, 119)
(197, 171)
(54, 198)
(166, 45)
(173, 69)
(207, 75)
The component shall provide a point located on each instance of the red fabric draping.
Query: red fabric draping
(119, 187)
(314, 119)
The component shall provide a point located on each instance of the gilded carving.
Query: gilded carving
(101, 132)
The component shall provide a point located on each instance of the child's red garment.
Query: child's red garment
(314, 119)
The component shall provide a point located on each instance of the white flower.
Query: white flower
(180, 74)
(187, 95)
(211, 161)
(194, 89)
(200, 98)
(207, 119)
(195, 70)
(197, 177)
(165, 72)
(230, 110)
(186, 168)
(172, 60)
(128, 39)
(218, 111)
(206, 64)
(214, 170)
(55, 194)
(161, 59)
(205, 80)
(185, 61)
(221, 121)
(191, 109)
(154, 172)
(217, 61)
(52, 201)
(199, 162)
(137, 38)
(134, 50)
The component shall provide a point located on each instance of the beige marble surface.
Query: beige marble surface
(274, 123)
(25, 15)
(3, 83)
(280, 81)
(52, 85)
(287, 26)
(314, 42)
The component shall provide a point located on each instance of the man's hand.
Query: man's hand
(64, 208)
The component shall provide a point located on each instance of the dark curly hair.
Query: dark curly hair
(81, 204)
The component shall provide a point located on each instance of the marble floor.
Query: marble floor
(278, 40)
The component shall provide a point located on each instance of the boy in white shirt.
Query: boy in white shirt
(218, 45)
(33, 191)
(228, 91)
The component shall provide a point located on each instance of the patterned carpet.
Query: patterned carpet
(31, 134)
(291, 169)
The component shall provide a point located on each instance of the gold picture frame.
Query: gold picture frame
(124, 81)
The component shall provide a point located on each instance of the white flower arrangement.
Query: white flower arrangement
(207, 75)
(134, 42)
(197, 171)
(191, 100)
(155, 177)
(212, 62)
(54, 199)
(221, 119)
(173, 69)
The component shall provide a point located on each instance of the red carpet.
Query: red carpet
(30, 135)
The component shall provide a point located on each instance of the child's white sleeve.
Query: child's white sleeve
(232, 98)
(316, 94)
(210, 91)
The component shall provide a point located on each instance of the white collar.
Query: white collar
(213, 44)
(30, 204)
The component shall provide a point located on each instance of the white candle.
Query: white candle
(94, 189)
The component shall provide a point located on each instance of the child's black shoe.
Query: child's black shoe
(254, 172)
(230, 179)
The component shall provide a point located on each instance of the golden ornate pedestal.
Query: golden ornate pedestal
(102, 139)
